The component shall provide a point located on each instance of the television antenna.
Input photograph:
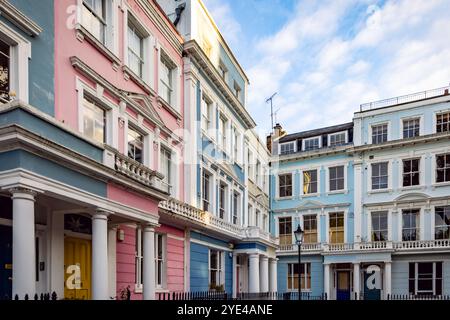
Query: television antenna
(271, 108)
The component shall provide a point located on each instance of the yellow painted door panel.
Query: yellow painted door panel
(77, 269)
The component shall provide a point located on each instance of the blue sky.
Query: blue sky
(325, 58)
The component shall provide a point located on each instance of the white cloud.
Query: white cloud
(323, 73)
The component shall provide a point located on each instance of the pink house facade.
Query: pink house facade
(119, 84)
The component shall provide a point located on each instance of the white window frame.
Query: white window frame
(148, 49)
(302, 221)
(278, 184)
(175, 98)
(371, 125)
(210, 191)
(221, 276)
(345, 132)
(277, 226)
(369, 176)
(434, 170)
(294, 143)
(223, 71)
(435, 118)
(239, 207)
(20, 53)
(433, 220)
(421, 124)
(315, 194)
(309, 139)
(327, 226)
(173, 167)
(421, 172)
(345, 189)
(308, 267)
(237, 91)
(222, 132)
(389, 224)
(226, 196)
(416, 276)
(111, 126)
(207, 101)
(163, 285)
(421, 227)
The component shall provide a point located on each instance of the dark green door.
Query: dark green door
(5, 262)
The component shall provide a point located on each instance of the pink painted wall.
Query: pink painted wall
(132, 199)
(67, 45)
(126, 267)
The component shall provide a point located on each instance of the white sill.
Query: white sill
(441, 184)
(207, 136)
(284, 198)
(379, 191)
(310, 195)
(409, 188)
(337, 192)
(96, 43)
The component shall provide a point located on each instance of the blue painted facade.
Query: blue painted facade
(395, 232)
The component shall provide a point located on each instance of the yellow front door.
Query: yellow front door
(77, 269)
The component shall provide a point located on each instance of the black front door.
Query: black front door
(5, 262)
(372, 284)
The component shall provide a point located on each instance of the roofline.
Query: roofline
(227, 48)
(350, 124)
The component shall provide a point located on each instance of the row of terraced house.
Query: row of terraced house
(130, 167)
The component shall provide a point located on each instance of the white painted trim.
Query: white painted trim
(369, 223)
(389, 172)
(312, 138)
(210, 245)
(435, 114)
(406, 118)
(327, 226)
(286, 143)
(20, 54)
(335, 134)
(327, 178)
(380, 123)
(312, 168)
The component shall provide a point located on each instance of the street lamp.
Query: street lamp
(298, 240)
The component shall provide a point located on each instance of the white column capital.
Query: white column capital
(101, 214)
(23, 193)
(264, 258)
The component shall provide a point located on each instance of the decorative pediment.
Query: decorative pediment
(413, 196)
(145, 103)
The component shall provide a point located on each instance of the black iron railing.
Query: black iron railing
(41, 296)
(417, 297)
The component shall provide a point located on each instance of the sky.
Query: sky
(325, 58)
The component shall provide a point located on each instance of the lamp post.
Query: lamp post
(299, 240)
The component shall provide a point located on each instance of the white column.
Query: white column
(358, 181)
(112, 240)
(235, 284)
(273, 275)
(24, 253)
(148, 271)
(326, 280)
(100, 286)
(254, 273)
(264, 274)
(356, 278)
(387, 279)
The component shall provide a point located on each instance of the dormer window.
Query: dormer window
(223, 71)
(311, 144)
(337, 139)
(287, 148)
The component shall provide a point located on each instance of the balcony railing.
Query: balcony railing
(367, 246)
(140, 172)
(405, 99)
(212, 221)
(422, 244)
